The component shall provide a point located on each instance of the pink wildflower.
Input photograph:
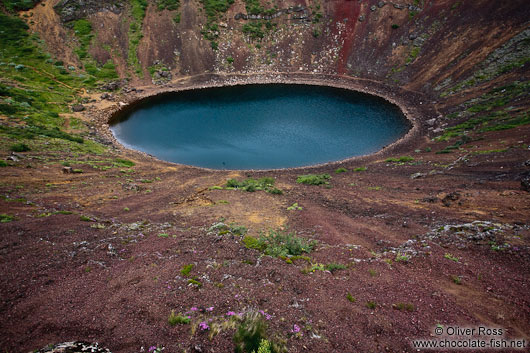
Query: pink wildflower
(152, 348)
(230, 313)
(204, 326)
(295, 329)
(209, 309)
(194, 309)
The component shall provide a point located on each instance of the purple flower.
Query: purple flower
(152, 348)
(194, 309)
(295, 329)
(209, 309)
(230, 313)
(204, 326)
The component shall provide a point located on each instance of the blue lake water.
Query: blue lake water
(261, 126)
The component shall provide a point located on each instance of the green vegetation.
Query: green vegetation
(350, 297)
(168, 4)
(185, 271)
(402, 159)
(332, 267)
(194, 282)
(251, 336)
(404, 307)
(214, 9)
(279, 243)
(395, 26)
(254, 30)
(30, 81)
(295, 207)
(489, 112)
(83, 31)
(360, 169)
(3, 163)
(174, 319)
(251, 185)
(451, 257)
(20, 147)
(314, 179)
(340, 170)
(86, 219)
(135, 34)
(19, 5)
(456, 279)
(371, 304)
(402, 258)
(5, 218)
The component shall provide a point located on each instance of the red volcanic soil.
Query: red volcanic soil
(348, 13)
(436, 239)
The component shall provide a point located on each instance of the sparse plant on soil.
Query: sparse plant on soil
(175, 319)
(251, 185)
(451, 257)
(371, 304)
(402, 159)
(251, 334)
(340, 170)
(185, 271)
(85, 218)
(403, 307)
(402, 257)
(456, 279)
(314, 179)
(5, 218)
(279, 243)
(373, 273)
(351, 298)
(20, 147)
(333, 266)
(294, 207)
(194, 282)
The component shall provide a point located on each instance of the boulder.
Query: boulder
(78, 108)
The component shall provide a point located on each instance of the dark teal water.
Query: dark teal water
(261, 126)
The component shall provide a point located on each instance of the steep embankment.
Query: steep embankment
(99, 243)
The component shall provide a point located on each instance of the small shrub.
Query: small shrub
(332, 267)
(371, 304)
(20, 147)
(314, 179)
(185, 271)
(395, 26)
(373, 273)
(402, 159)
(340, 170)
(3, 164)
(275, 191)
(360, 169)
(251, 242)
(295, 207)
(195, 282)
(451, 257)
(456, 279)
(4, 218)
(251, 336)
(174, 319)
(86, 219)
(402, 258)
(123, 163)
(350, 298)
(404, 307)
